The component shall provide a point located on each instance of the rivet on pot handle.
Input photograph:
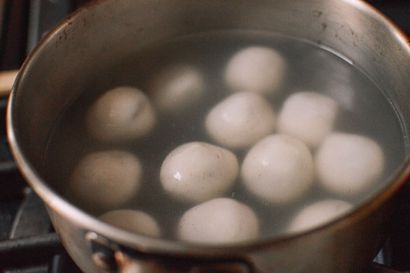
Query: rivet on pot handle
(110, 257)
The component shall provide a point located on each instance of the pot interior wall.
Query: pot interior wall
(68, 62)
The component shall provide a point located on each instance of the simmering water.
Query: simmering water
(364, 110)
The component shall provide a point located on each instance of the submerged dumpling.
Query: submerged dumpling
(177, 87)
(319, 213)
(308, 116)
(105, 180)
(219, 221)
(256, 69)
(240, 120)
(198, 171)
(278, 169)
(121, 114)
(349, 164)
(132, 220)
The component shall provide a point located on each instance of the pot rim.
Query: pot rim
(155, 245)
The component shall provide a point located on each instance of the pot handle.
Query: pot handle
(6, 82)
(127, 264)
(111, 257)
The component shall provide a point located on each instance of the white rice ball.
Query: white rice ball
(133, 221)
(308, 116)
(121, 114)
(240, 120)
(105, 180)
(177, 87)
(256, 69)
(319, 213)
(218, 221)
(349, 164)
(198, 171)
(278, 169)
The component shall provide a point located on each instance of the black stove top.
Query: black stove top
(28, 242)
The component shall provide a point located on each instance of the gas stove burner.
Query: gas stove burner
(30, 243)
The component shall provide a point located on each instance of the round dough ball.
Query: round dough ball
(278, 169)
(218, 221)
(256, 69)
(319, 213)
(133, 221)
(198, 171)
(177, 87)
(308, 116)
(240, 120)
(105, 180)
(349, 164)
(121, 114)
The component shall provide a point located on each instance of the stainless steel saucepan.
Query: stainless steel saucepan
(61, 66)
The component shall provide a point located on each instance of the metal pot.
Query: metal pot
(60, 69)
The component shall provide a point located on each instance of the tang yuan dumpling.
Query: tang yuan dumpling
(319, 213)
(177, 87)
(121, 114)
(198, 171)
(256, 69)
(218, 221)
(349, 164)
(133, 221)
(278, 169)
(240, 120)
(105, 180)
(308, 116)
